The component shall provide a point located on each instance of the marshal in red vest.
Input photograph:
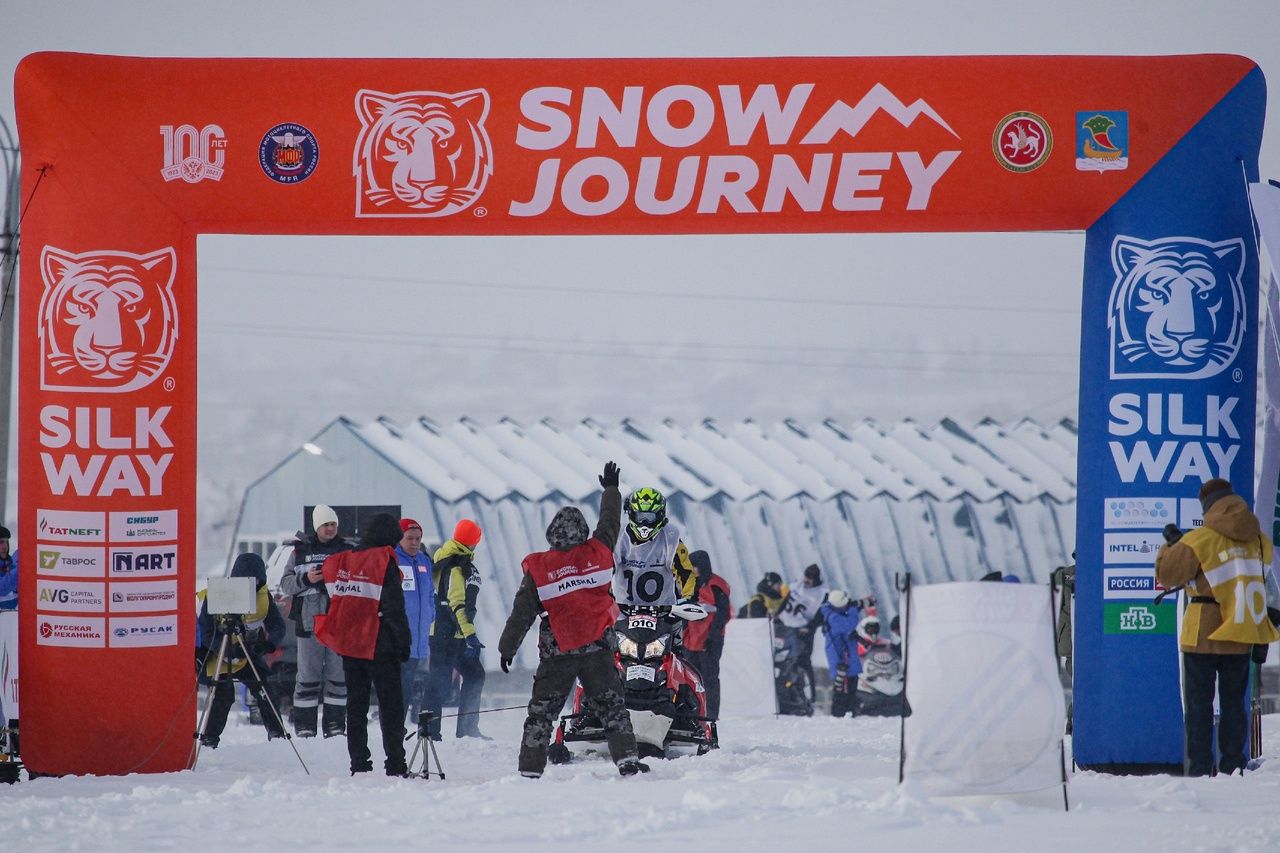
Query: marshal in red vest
(575, 587)
(354, 582)
(697, 633)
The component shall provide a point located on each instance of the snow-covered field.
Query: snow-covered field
(785, 784)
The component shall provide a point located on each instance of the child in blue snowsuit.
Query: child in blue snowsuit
(840, 625)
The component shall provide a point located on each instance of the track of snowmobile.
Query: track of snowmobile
(788, 783)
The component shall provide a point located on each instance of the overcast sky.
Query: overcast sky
(811, 326)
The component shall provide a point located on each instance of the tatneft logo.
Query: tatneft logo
(421, 154)
(193, 155)
(108, 319)
(1176, 310)
(70, 526)
(739, 132)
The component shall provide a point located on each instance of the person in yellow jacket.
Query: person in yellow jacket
(454, 644)
(1223, 566)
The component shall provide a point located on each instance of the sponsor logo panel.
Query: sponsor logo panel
(288, 153)
(70, 596)
(1176, 309)
(1130, 548)
(144, 526)
(70, 561)
(70, 526)
(108, 319)
(135, 631)
(1102, 140)
(87, 632)
(192, 154)
(147, 561)
(1139, 513)
(144, 596)
(1022, 141)
(1133, 619)
(1190, 514)
(1130, 583)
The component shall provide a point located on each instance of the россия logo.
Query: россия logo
(108, 320)
(1176, 310)
(421, 154)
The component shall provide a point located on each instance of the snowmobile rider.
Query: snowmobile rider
(652, 563)
(840, 625)
(1221, 565)
(570, 583)
(263, 632)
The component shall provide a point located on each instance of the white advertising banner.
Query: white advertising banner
(987, 708)
(746, 670)
(1266, 208)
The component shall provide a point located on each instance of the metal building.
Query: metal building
(865, 501)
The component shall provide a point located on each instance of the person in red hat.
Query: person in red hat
(420, 608)
(454, 644)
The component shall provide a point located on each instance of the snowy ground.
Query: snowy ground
(781, 784)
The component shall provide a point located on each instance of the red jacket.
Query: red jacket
(354, 581)
(697, 633)
(576, 589)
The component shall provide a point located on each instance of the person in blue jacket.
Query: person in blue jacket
(8, 573)
(264, 630)
(840, 625)
(420, 607)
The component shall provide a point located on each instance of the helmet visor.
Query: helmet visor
(645, 519)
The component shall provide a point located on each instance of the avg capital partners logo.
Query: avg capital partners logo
(108, 319)
(421, 154)
(1176, 309)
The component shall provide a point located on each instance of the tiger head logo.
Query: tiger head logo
(108, 320)
(421, 153)
(1177, 307)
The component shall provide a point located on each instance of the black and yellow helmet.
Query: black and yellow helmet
(646, 513)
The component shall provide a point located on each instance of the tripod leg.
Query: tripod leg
(431, 745)
(270, 703)
(208, 703)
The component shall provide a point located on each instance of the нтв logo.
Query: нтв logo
(108, 320)
(288, 153)
(1176, 309)
(1022, 141)
(421, 153)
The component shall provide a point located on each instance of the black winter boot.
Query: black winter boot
(335, 720)
(632, 766)
(304, 721)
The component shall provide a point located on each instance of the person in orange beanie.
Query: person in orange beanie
(454, 644)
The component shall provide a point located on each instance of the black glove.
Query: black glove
(471, 648)
(1274, 615)
(610, 476)
(505, 663)
(1171, 533)
(1260, 653)
(261, 648)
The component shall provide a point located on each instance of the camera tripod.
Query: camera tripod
(428, 751)
(231, 626)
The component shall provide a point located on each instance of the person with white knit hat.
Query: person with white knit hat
(320, 672)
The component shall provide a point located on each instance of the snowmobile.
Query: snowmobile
(880, 685)
(664, 695)
(790, 679)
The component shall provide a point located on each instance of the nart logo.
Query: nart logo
(1176, 309)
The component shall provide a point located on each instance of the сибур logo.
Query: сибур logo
(108, 319)
(1176, 310)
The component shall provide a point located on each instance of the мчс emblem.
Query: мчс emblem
(421, 153)
(1102, 141)
(1022, 141)
(108, 320)
(1176, 310)
(288, 153)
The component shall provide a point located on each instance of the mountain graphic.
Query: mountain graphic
(851, 120)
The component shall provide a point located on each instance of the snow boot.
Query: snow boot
(558, 753)
(209, 741)
(632, 766)
(335, 720)
(304, 721)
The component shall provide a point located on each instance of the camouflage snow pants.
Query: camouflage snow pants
(551, 685)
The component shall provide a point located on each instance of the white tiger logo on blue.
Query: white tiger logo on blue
(1176, 309)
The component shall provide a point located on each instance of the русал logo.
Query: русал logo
(108, 320)
(421, 154)
(1022, 141)
(1176, 310)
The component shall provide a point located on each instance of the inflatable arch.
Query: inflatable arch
(128, 160)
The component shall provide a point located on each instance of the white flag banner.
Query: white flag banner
(746, 670)
(1266, 209)
(987, 710)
